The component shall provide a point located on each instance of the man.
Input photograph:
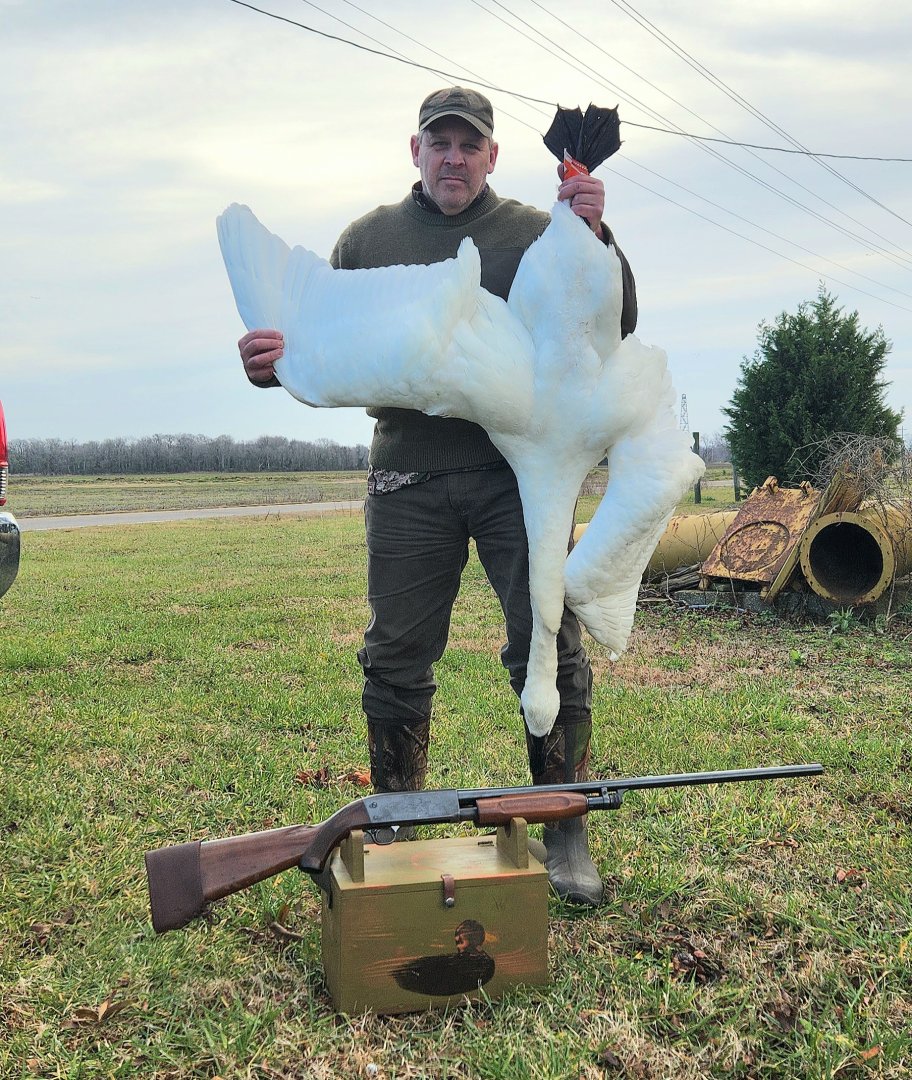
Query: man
(436, 482)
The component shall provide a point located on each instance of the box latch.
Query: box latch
(449, 890)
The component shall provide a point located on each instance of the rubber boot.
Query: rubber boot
(562, 756)
(398, 759)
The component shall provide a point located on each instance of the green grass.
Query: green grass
(166, 683)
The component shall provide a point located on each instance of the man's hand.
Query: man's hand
(585, 195)
(259, 351)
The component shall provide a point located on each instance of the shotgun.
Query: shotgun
(184, 878)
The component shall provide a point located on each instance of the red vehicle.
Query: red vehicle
(9, 530)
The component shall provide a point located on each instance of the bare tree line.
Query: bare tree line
(714, 449)
(182, 453)
(202, 453)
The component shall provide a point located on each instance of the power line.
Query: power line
(429, 49)
(709, 202)
(542, 101)
(389, 56)
(761, 228)
(756, 243)
(669, 43)
(528, 98)
(708, 149)
(761, 146)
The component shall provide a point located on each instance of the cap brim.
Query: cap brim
(473, 120)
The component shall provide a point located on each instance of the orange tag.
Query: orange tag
(572, 167)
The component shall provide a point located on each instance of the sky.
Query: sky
(128, 127)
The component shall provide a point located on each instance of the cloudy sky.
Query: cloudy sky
(128, 127)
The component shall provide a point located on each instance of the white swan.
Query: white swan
(546, 374)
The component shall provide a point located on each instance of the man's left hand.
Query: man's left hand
(585, 195)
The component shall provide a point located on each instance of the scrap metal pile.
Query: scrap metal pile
(848, 541)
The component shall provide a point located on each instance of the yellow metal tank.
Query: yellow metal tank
(687, 540)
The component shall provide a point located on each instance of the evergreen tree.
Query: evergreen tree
(815, 373)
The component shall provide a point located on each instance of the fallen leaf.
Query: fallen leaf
(361, 777)
(283, 933)
(784, 1015)
(97, 1014)
(852, 878)
(608, 1059)
(313, 777)
(41, 932)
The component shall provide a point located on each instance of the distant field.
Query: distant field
(32, 496)
(46, 495)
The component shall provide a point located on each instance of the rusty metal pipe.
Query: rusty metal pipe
(852, 557)
(688, 539)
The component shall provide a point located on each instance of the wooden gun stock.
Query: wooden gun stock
(183, 879)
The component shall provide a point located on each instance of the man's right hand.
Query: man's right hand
(259, 351)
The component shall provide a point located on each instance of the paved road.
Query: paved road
(146, 517)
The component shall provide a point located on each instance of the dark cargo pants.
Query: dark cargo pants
(418, 544)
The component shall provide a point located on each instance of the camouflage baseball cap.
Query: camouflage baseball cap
(457, 101)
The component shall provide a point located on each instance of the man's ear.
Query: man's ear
(493, 156)
(414, 142)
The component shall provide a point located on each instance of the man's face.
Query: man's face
(454, 159)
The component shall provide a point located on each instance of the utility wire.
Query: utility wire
(611, 86)
(626, 157)
(537, 100)
(527, 98)
(652, 29)
(762, 146)
(726, 138)
(904, 260)
(718, 206)
(428, 48)
(757, 243)
(389, 56)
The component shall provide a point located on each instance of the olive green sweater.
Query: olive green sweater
(406, 233)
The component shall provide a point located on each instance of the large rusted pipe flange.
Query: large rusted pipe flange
(848, 558)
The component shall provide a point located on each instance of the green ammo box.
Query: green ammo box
(428, 923)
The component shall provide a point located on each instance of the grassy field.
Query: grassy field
(31, 496)
(39, 495)
(178, 681)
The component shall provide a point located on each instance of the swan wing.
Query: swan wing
(256, 260)
(414, 337)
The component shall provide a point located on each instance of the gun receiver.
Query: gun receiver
(184, 878)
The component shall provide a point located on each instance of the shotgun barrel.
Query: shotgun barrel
(184, 878)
